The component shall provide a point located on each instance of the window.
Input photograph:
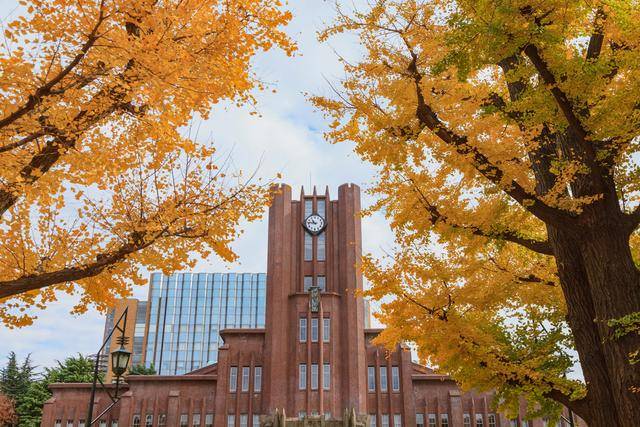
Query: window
(371, 378)
(308, 247)
(256, 421)
(479, 420)
(136, 421)
(326, 376)
(321, 282)
(492, 420)
(70, 423)
(208, 420)
(162, 420)
(466, 420)
(303, 329)
(419, 420)
(326, 329)
(385, 420)
(233, 378)
(231, 420)
(257, 378)
(327, 415)
(184, 420)
(301, 415)
(58, 423)
(321, 250)
(372, 420)
(302, 380)
(524, 423)
(308, 282)
(314, 376)
(81, 423)
(314, 329)
(148, 420)
(114, 423)
(513, 422)
(444, 420)
(243, 420)
(383, 379)
(432, 420)
(196, 420)
(397, 420)
(395, 378)
(245, 378)
(308, 207)
(103, 423)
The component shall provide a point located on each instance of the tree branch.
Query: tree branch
(45, 90)
(562, 100)
(597, 38)
(435, 216)
(136, 242)
(633, 220)
(429, 119)
(578, 406)
(24, 141)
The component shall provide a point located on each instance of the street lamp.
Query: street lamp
(120, 361)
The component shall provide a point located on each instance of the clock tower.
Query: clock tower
(314, 337)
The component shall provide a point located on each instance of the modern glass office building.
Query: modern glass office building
(187, 312)
(178, 329)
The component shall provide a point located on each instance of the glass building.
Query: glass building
(187, 312)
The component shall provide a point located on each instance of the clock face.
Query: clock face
(314, 224)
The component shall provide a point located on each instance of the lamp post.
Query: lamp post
(119, 363)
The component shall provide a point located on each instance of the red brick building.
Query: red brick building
(314, 356)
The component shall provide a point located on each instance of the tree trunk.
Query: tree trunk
(615, 288)
(600, 282)
(580, 314)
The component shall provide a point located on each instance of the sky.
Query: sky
(286, 138)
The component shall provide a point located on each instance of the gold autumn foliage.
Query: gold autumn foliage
(449, 101)
(96, 176)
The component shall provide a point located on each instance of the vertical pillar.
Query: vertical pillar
(173, 408)
(455, 403)
(406, 387)
(279, 273)
(352, 306)
(222, 387)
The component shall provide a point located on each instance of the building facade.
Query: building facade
(177, 330)
(314, 357)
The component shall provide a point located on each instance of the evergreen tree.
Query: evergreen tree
(29, 391)
(142, 370)
(16, 379)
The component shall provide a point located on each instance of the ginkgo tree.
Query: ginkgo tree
(506, 137)
(97, 177)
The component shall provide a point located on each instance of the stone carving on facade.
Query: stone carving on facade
(314, 299)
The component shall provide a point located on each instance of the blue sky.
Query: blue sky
(286, 138)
